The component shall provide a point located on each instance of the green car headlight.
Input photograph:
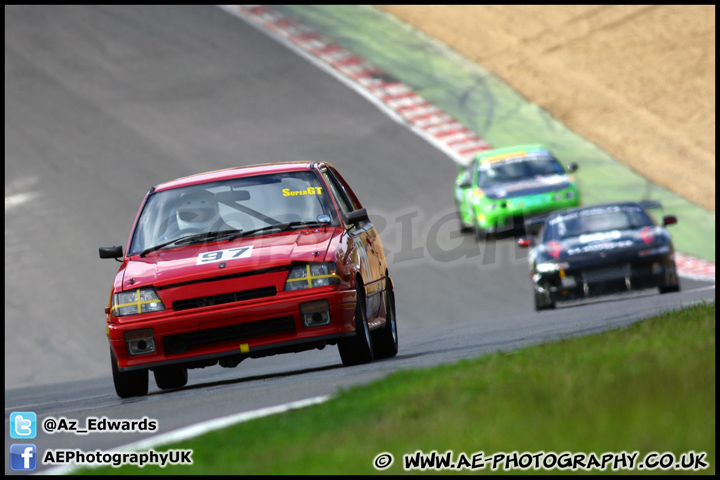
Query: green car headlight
(564, 194)
(312, 275)
(134, 302)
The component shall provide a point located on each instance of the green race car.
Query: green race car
(502, 187)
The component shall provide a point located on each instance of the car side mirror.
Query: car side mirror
(115, 252)
(358, 216)
(572, 167)
(669, 220)
(525, 242)
(465, 183)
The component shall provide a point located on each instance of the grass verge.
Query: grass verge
(646, 388)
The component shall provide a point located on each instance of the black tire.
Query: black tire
(463, 227)
(542, 302)
(669, 288)
(385, 339)
(358, 349)
(129, 384)
(480, 234)
(173, 376)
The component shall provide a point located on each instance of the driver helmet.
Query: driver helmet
(198, 209)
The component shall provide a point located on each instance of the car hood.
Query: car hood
(197, 262)
(602, 244)
(532, 186)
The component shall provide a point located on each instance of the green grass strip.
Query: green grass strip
(495, 111)
(649, 387)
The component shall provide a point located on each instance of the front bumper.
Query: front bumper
(590, 280)
(512, 213)
(246, 330)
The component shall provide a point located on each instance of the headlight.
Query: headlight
(550, 267)
(312, 275)
(477, 195)
(134, 302)
(655, 251)
(567, 195)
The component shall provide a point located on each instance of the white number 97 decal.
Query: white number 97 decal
(220, 255)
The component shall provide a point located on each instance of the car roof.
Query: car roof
(237, 172)
(537, 221)
(500, 153)
(642, 205)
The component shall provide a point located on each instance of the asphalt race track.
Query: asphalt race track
(102, 103)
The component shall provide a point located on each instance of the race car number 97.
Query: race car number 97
(221, 255)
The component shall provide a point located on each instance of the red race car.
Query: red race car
(242, 263)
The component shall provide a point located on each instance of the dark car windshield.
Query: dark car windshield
(596, 220)
(236, 206)
(518, 168)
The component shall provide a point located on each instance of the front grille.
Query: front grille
(615, 272)
(181, 342)
(224, 298)
(642, 270)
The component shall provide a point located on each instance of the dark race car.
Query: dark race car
(599, 249)
(243, 263)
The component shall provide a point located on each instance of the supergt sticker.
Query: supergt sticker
(310, 191)
(222, 255)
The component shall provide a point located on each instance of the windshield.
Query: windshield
(596, 220)
(235, 206)
(518, 168)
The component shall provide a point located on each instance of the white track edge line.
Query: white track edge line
(195, 430)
